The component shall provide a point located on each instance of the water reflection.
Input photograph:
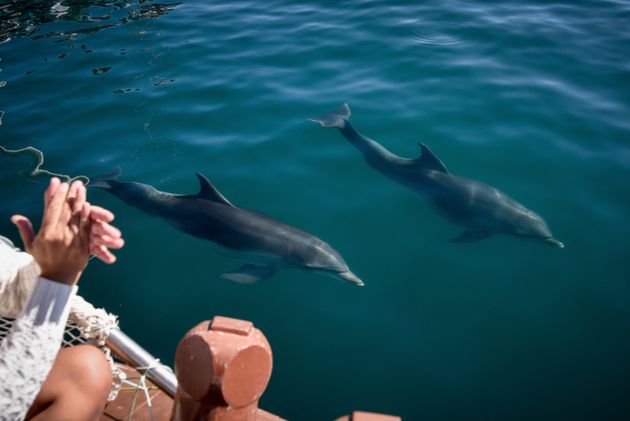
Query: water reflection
(439, 33)
(19, 18)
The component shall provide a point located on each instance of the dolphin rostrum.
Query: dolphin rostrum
(481, 209)
(266, 244)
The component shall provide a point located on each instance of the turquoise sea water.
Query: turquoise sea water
(532, 97)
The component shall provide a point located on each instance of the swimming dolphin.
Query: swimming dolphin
(481, 209)
(266, 244)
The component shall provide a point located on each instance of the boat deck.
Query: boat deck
(132, 401)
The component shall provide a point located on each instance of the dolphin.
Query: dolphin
(481, 209)
(263, 242)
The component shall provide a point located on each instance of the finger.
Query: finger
(80, 198)
(50, 191)
(55, 207)
(25, 229)
(102, 214)
(76, 200)
(103, 254)
(67, 211)
(74, 226)
(85, 223)
(107, 241)
(73, 195)
(103, 228)
(86, 211)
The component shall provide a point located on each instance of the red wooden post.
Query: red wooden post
(223, 367)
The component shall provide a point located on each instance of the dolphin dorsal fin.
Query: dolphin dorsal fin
(428, 161)
(209, 192)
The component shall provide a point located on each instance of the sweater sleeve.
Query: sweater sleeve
(28, 352)
(18, 273)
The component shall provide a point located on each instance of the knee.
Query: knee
(89, 370)
(77, 386)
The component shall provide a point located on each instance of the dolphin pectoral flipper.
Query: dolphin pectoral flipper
(334, 119)
(248, 274)
(554, 242)
(471, 235)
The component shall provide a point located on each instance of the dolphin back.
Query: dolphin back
(334, 119)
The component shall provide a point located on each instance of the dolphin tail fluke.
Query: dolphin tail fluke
(248, 274)
(103, 181)
(334, 119)
(351, 277)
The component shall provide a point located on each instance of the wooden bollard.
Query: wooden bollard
(223, 367)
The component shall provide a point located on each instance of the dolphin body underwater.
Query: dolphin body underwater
(481, 209)
(265, 243)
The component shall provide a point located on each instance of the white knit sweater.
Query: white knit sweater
(28, 352)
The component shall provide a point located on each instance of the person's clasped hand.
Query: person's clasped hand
(71, 230)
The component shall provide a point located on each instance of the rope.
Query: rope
(142, 385)
(95, 324)
(36, 169)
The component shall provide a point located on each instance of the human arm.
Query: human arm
(28, 352)
(61, 249)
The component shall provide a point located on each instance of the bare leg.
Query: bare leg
(76, 388)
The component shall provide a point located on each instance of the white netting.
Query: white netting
(86, 325)
(72, 334)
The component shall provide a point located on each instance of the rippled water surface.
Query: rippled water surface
(530, 97)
